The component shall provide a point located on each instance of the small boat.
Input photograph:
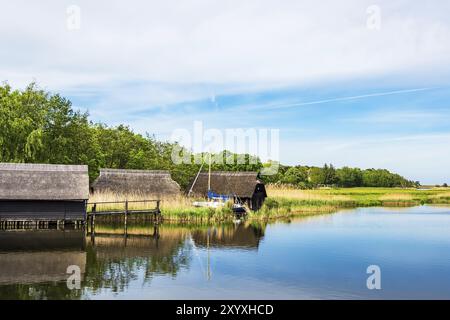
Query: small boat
(209, 204)
(239, 209)
(216, 200)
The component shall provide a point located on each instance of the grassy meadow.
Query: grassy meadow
(282, 202)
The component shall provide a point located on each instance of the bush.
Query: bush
(270, 204)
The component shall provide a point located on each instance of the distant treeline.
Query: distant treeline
(310, 177)
(38, 127)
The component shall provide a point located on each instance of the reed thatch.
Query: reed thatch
(43, 182)
(241, 184)
(154, 182)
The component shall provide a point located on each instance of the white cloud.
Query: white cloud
(139, 56)
(215, 42)
(417, 157)
(409, 117)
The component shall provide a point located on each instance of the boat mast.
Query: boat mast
(209, 173)
(195, 180)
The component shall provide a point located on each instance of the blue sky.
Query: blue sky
(338, 89)
(364, 122)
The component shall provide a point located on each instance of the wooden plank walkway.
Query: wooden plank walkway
(92, 210)
(121, 208)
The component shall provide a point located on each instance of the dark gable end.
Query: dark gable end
(241, 184)
(156, 182)
(43, 182)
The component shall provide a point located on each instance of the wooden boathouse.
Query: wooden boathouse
(43, 192)
(245, 187)
(144, 182)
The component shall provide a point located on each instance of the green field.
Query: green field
(285, 202)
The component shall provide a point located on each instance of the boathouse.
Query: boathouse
(43, 192)
(146, 182)
(245, 187)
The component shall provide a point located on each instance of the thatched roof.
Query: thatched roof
(43, 182)
(155, 182)
(241, 184)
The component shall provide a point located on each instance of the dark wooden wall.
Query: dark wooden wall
(258, 197)
(42, 210)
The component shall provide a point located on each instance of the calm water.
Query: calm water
(323, 257)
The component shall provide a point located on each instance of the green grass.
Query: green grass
(200, 215)
(285, 202)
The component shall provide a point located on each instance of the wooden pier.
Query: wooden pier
(125, 208)
(92, 210)
(122, 208)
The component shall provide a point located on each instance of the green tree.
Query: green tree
(39, 127)
(349, 177)
(316, 176)
(297, 176)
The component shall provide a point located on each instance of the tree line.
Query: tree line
(39, 127)
(306, 177)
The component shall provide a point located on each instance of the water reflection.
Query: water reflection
(315, 257)
(243, 236)
(114, 260)
(33, 264)
(28, 259)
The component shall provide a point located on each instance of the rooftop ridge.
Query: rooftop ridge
(6, 166)
(237, 173)
(135, 171)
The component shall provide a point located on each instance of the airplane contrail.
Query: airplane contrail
(350, 98)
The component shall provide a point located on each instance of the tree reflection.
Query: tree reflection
(110, 261)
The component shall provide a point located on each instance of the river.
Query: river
(316, 257)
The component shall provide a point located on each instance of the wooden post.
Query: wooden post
(94, 209)
(158, 210)
(155, 231)
(126, 217)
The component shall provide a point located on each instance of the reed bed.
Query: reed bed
(291, 193)
(174, 208)
(286, 201)
(397, 196)
(442, 198)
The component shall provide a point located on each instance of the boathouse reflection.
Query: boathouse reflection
(229, 236)
(33, 263)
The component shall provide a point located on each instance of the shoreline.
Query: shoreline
(287, 203)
